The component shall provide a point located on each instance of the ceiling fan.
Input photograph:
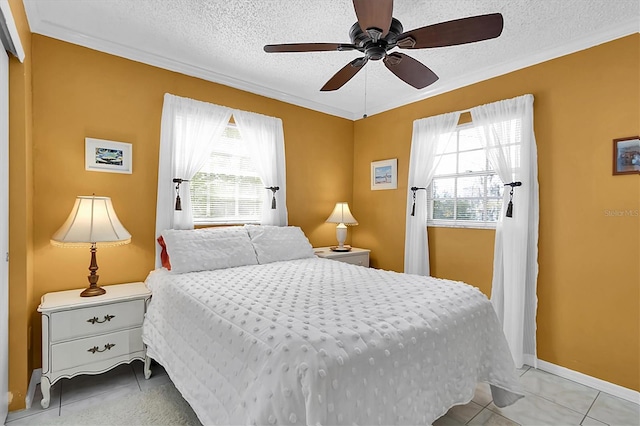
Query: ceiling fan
(377, 32)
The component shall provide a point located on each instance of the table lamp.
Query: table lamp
(343, 217)
(92, 222)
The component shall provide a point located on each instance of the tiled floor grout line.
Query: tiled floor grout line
(136, 376)
(561, 405)
(501, 414)
(590, 407)
(569, 408)
(583, 417)
(476, 415)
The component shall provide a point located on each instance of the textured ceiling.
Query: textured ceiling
(222, 41)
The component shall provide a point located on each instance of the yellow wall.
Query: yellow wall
(20, 214)
(588, 309)
(589, 273)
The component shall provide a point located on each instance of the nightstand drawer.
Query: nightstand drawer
(95, 320)
(361, 259)
(94, 349)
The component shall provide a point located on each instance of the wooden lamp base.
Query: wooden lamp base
(93, 289)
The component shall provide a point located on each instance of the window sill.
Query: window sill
(471, 225)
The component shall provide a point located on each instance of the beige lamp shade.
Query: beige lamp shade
(91, 221)
(342, 214)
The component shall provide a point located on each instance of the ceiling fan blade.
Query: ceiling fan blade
(374, 14)
(345, 74)
(307, 47)
(409, 70)
(451, 33)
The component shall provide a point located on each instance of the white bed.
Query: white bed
(315, 341)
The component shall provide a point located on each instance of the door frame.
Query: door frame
(10, 43)
(4, 236)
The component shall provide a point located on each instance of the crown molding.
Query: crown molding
(44, 27)
(11, 35)
(627, 28)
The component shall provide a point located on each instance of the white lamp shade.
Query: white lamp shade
(342, 214)
(92, 220)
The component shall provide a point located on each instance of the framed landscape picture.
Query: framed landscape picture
(626, 156)
(107, 156)
(384, 174)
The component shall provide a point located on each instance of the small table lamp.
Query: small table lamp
(342, 216)
(92, 222)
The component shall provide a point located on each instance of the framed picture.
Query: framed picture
(626, 156)
(384, 174)
(107, 156)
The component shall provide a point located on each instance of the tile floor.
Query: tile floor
(550, 400)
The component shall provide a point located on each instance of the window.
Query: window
(465, 190)
(227, 189)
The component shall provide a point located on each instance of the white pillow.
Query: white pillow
(208, 249)
(276, 243)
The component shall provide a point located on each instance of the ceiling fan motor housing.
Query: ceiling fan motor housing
(375, 49)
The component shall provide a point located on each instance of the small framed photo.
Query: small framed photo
(626, 156)
(107, 156)
(384, 174)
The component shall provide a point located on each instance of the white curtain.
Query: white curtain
(264, 139)
(430, 139)
(507, 132)
(187, 131)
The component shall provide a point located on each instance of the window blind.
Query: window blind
(466, 190)
(227, 189)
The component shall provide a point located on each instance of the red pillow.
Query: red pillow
(164, 255)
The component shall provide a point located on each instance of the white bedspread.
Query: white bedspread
(316, 341)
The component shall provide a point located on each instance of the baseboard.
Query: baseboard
(530, 360)
(31, 391)
(583, 379)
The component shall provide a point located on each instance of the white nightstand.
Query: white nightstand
(356, 256)
(90, 335)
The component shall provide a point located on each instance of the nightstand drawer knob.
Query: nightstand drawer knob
(107, 347)
(95, 320)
